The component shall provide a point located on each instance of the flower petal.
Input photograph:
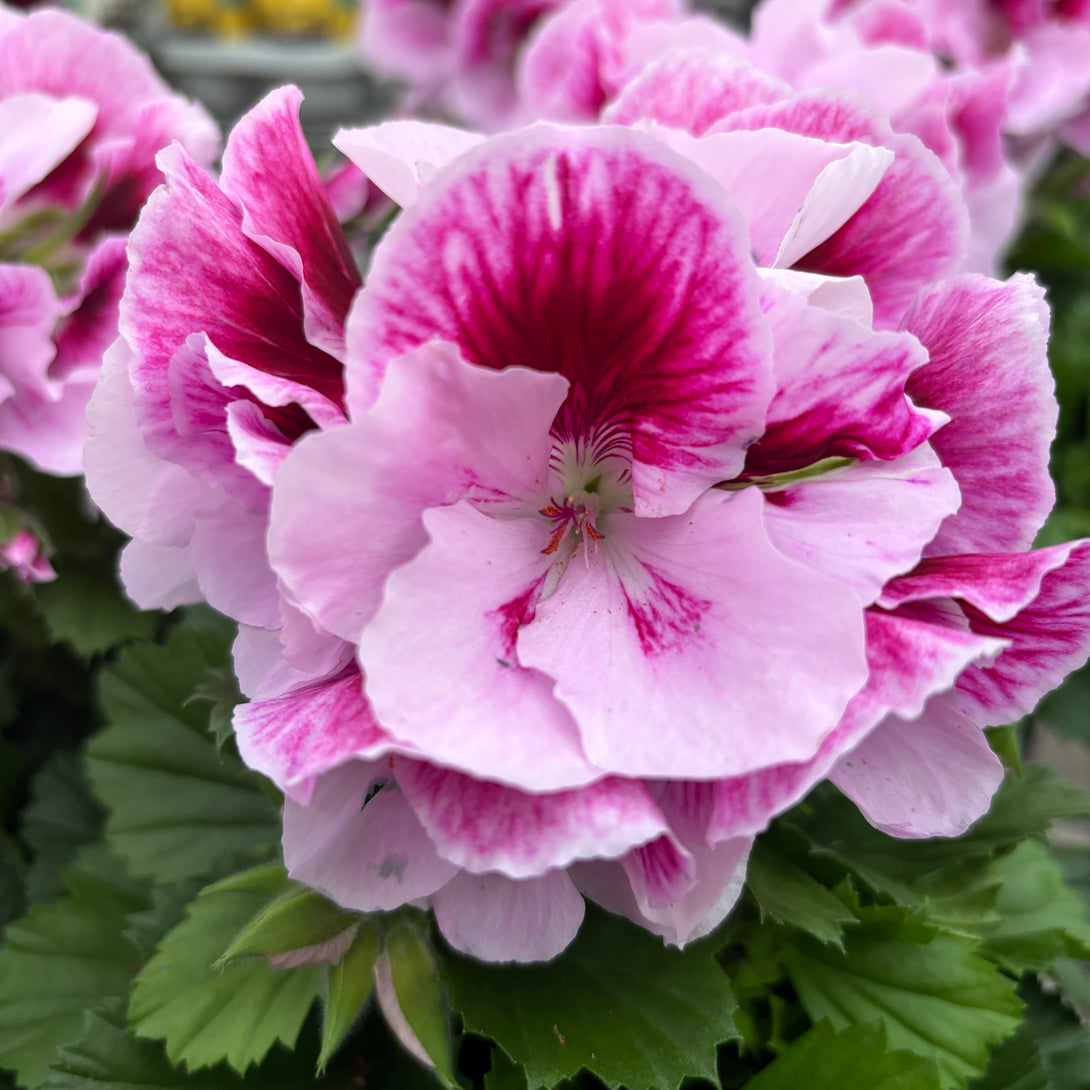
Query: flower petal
(249, 305)
(440, 430)
(598, 254)
(909, 661)
(36, 133)
(911, 230)
(932, 776)
(840, 390)
(144, 495)
(988, 369)
(496, 919)
(719, 875)
(359, 842)
(401, 157)
(297, 737)
(1050, 637)
(699, 629)
(865, 523)
(268, 169)
(489, 827)
(440, 659)
(795, 191)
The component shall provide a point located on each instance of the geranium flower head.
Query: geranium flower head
(82, 115)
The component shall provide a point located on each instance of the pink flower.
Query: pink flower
(206, 390)
(1045, 42)
(97, 113)
(612, 514)
(498, 63)
(986, 84)
(457, 55)
(25, 555)
(627, 536)
(81, 117)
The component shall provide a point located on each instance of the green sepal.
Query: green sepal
(295, 919)
(348, 988)
(414, 974)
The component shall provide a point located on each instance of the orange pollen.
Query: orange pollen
(573, 517)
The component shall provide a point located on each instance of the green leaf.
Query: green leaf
(1062, 1038)
(419, 991)
(64, 957)
(787, 894)
(85, 606)
(1016, 1065)
(60, 818)
(504, 1074)
(177, 808)
(616, 1001)
(106, 1057)
(206, 1015)
(295, 919)
(858, 1056)
(348, 988)
(1041, 917)
(1024, 806)
(932, 991)
(12, 870)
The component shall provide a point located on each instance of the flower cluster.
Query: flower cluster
(82, 115)
(660, 468)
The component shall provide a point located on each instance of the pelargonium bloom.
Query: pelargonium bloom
(989, 85)
(1045, 42)
(455, 55)
(494, 64)
(628, 536)
(206, 390)
(82, 115)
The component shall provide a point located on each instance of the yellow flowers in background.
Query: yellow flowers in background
(234, 18)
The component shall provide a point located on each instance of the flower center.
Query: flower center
(590, 480)
(574, 518)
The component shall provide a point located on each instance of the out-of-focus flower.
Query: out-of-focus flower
(986, 85)
(458, 56)
(82, 115)
(24, 554)
(1045, 42)
(497, 63)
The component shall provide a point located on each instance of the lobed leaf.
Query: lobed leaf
(64, 957)
(616, 1002)
(933, 993)
(858, 1056)
(207, 1015)
(177, 808)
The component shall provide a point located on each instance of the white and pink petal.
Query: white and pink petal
(597, 254)
(988, 369)
(692, 608)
